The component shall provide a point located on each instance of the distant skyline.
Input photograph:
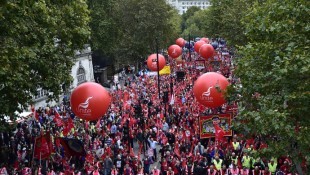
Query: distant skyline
(183, 5)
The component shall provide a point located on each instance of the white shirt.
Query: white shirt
(152, 144)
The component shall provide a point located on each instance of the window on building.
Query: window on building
(81, 76)
(41, 93)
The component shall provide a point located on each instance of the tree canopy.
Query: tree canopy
(274, 69)
(128, 28)
(38, 40)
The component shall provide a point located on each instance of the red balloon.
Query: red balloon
(208, 89)
(198, 44)
(152, 62)
(205, 40)
(174, 51)
(206, 51)
(180, 42)
(90, 101)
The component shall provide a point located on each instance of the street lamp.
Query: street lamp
(158, 76)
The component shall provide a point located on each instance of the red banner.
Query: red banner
(206, 126)
(43, 147)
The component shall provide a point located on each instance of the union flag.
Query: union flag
(43, 146)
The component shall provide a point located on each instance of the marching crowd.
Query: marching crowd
(140, 134)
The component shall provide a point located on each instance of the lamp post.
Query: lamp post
(189, 46)
(158, 76)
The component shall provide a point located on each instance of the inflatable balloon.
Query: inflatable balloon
(206, 51)
(208, 89)
(180, 42)
(205, 40)
(198, 44)
(90, 101)
(152, 62)
(174, 51)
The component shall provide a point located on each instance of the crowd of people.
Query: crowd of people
(141, 134)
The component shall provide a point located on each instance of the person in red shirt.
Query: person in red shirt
(224, 170)
(285, 168)
(170, 171)
(164, 165)
(266, 171)
(114, 171)
(257, 171)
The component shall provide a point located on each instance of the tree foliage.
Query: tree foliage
(274, 69)
(129, 30)
(222, 19)
(38, 40)
(195, 24)
(104, 24)
(189, 13)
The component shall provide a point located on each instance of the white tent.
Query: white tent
(20, 117)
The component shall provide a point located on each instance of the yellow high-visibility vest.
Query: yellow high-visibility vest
(218, 165)
(235, 160)
(235, 145)
(272, 168)
(246, 161)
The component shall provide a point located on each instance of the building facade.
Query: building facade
(82, 71)
(183, 5)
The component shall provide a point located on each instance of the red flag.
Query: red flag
(42, 147)
(219, 133)
(98, 125)
(132, 121)
(70, 124)
(57, 142)
(131, 153)
(49, 142)
(177, 150)
(57, 119)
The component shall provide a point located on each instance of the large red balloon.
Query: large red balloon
(152, 62)
(180, 42)
(208, 89)
(206, 51)
(90, 101)
(205, 40)
(174, 51)
(198, 44)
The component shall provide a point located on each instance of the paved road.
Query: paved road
(142, 156)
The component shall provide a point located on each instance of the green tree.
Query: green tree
(190, 12)
(222, 19)
(196, 24)
(104, 24)
(274, 69)
(142, 21)
(38, 40)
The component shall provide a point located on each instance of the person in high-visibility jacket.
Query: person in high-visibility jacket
(246, 161)
(234, 159)
(235, 145)
(217, 163)
(272, 166)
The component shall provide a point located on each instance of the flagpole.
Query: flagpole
(40, 157)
